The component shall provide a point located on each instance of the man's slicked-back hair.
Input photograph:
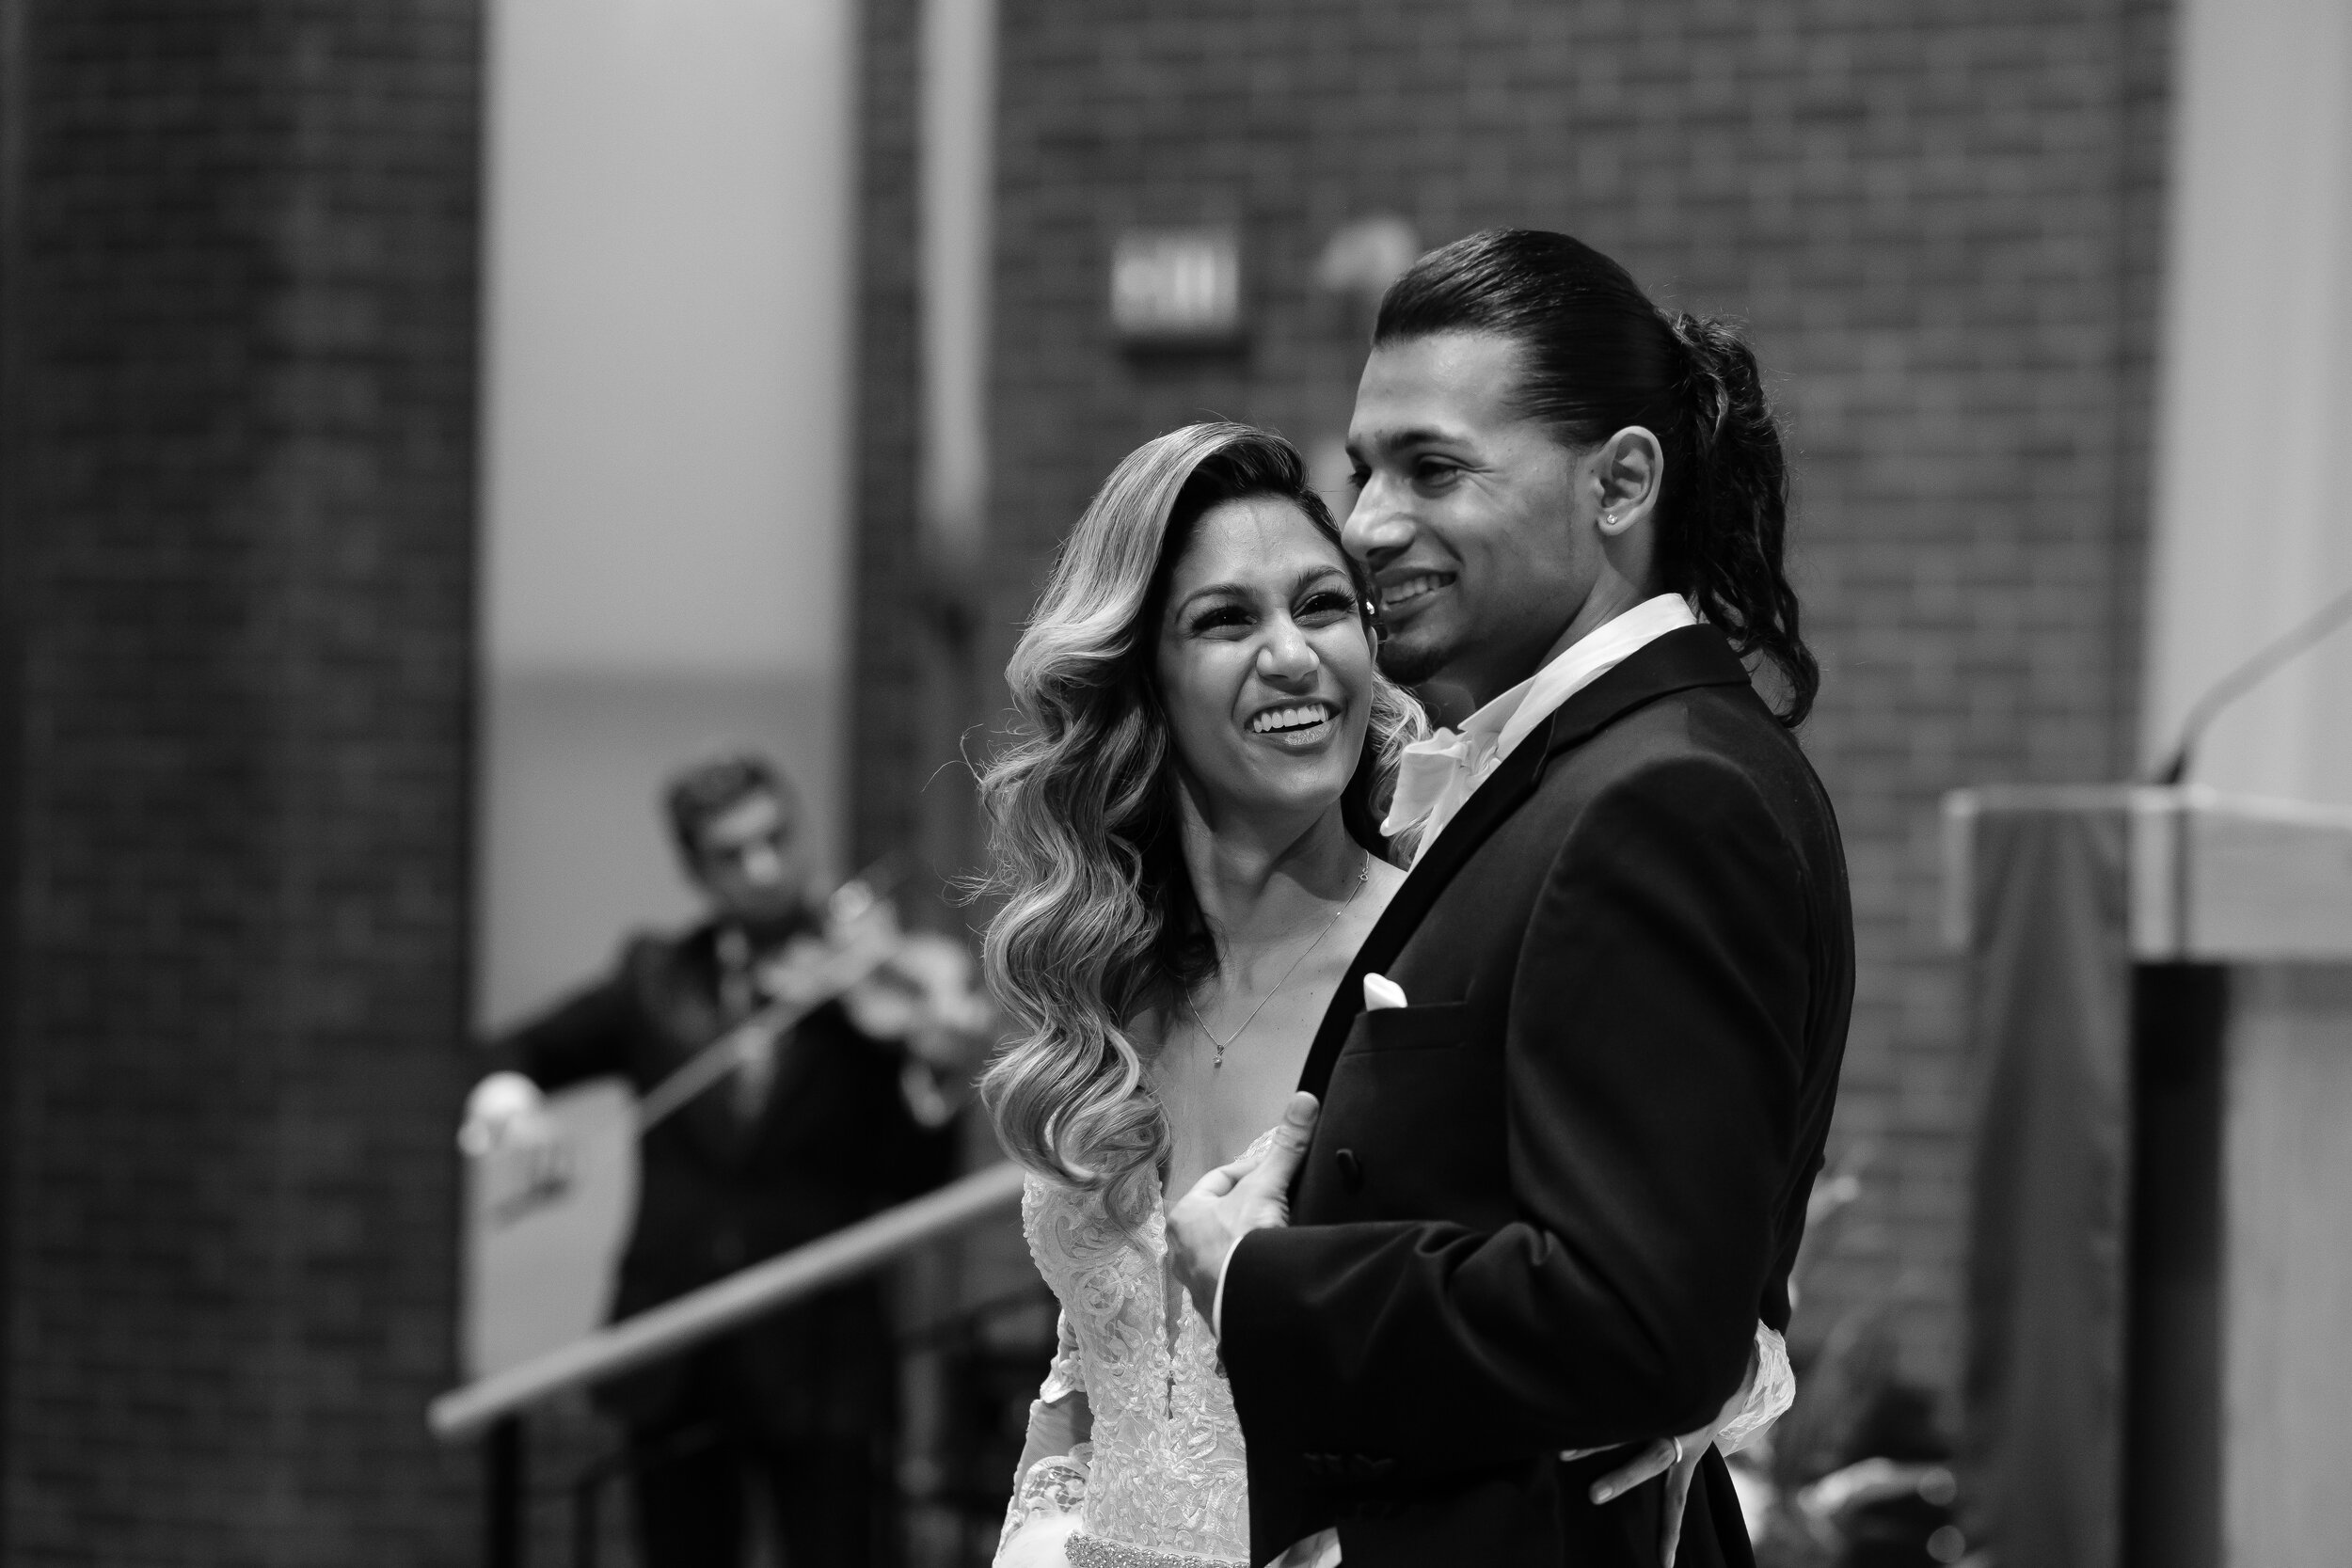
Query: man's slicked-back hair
(715, 785)
(1595, 355)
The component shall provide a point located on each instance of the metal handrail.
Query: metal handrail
(679, 1325)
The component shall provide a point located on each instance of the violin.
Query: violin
(916, 988)
(912, 990)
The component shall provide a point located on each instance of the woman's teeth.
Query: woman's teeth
(1295, 718)
(1410, 589)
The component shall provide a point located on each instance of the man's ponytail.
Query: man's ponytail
(1725, 537)
(1600, 356)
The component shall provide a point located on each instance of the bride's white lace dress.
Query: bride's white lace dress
(1166, 1474)
(1165, 1482)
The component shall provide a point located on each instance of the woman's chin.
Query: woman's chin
(1293, 785)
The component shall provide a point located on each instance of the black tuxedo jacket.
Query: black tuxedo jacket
(834, 1142)
(1546, 1202)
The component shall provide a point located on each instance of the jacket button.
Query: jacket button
(1351, 1169)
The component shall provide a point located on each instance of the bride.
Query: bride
(1185, 846)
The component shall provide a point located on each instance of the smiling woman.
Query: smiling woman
(1200, 656)
(1185, 843)
(1263, 664)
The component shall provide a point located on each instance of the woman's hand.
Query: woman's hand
(1676, 1459)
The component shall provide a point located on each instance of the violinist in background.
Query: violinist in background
(808, 1126)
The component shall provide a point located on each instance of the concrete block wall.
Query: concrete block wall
(1941, 223)
(889, 610)
(236, 504)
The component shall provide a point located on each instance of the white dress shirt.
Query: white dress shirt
(1436, 776)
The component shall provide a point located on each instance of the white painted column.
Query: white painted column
(957, 172)
(2254, 441)
(2287, 1211)
(667, 473)
(2254, 533)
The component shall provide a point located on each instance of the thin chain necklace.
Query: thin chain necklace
(1364, 874)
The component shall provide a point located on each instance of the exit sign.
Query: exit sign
(1176, 286)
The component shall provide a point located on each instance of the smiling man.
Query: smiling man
(1467, 513)
(1560, 1169)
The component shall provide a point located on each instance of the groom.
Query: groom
(1561, 1165)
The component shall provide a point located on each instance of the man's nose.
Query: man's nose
(1377, 531)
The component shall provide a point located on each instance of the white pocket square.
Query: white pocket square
(1381, 992)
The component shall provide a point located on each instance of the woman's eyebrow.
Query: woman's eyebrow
(1203, 591)
(1242, 590)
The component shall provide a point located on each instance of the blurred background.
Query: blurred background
(425, 425)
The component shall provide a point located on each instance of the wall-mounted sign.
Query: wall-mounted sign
(1176, 286)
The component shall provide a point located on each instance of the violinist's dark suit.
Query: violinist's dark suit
(809, 1394)
(1546, 1203)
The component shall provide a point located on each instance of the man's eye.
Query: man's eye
(1434, 473)
(1358, 477)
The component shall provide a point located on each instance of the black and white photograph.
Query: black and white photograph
(1175, 784)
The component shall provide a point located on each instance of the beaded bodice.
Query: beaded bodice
(1167, 1472)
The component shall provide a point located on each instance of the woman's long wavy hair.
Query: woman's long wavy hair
(1098, 923)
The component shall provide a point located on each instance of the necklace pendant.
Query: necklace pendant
(1364, 874)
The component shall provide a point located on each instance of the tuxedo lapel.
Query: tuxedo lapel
(1493, 801)
(1693, 655)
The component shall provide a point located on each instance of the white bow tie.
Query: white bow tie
(1434, 777)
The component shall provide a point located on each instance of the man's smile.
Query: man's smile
(1406, 589)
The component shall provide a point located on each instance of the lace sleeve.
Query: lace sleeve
(1769, 1396)
(1053, 1469)
(1067, 1375)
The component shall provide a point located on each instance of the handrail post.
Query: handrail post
(586, 1493)
(502, 1494)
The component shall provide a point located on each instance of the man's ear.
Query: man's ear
(1629, 471)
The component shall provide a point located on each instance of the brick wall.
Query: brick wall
(239, 328)
(1941, 221)
(888, 612)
